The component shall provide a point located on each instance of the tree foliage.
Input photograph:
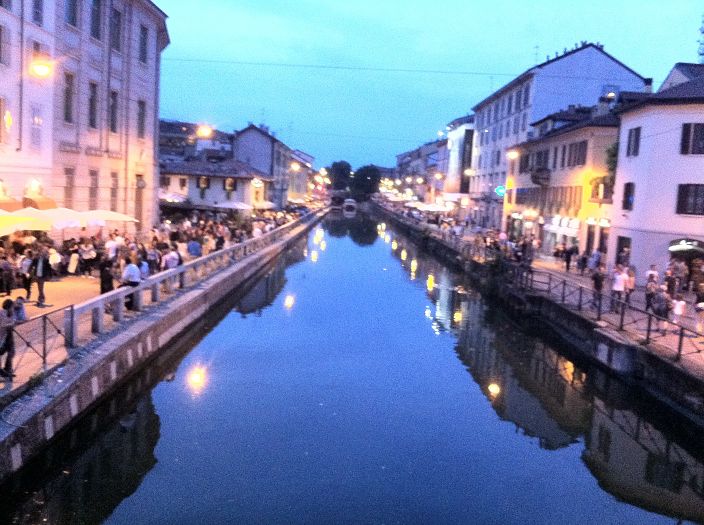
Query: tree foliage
(339, 174)
(365, 181)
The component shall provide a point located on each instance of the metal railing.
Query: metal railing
(643, 326)
(48, 340)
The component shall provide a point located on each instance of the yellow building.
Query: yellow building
(559, 186)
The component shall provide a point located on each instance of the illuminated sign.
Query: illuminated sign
(500, 190)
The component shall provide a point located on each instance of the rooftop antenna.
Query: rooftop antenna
(701, 43)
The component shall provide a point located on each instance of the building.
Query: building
(106, 106)
(210, 185)
(258, 147)
(559, 182)
(659, 192)
(576, 77)
(184, 141)
(301, 173)
(423, 169)
(27, 40)
(460, 139)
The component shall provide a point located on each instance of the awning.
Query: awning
(9, 204)
(10, 224)
(263, 205)
(171, 197)
(455, 197)
(686, 246)
(233, 205)
(39, 202)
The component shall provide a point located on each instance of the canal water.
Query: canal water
(361, 381)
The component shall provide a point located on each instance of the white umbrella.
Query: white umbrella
(12, 223)
(100, 217)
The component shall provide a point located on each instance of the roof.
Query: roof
(534, 69)
(607, 120)
(263, 131)
(691, 92)
(690, 70)
(572, 114)
(225, 168)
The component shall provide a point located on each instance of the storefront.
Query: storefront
(560, 230)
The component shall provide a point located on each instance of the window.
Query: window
(114, 182)
(143, 42)
(141, 118)
(69, 80)
(70, 175)
(112, 117)
(554, 158)
(116, 30)
(96, 19)
(633, 145)
(523, 163)
(526, 95)
(515, 124)
(183, 183)
(4, 46)
(38, 12)
(577, 154)
(524, 121)
(692, 139)
(690, 199)
(542, 158)
(563, 156)
(629, 190)
(93, 190)
(71, 12)
(510, 104)
(93, 105)
(164, 181)
(35, 134)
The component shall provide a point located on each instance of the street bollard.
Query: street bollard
(680, 342)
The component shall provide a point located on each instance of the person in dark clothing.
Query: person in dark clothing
(598, 278)
(670, 282)
(40, 270)
(568, 254)
(106, 277)
(7, 337)
(651, 288)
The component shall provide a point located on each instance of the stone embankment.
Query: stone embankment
(98, 367)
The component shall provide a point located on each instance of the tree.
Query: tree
(339, 174)
(365, 180)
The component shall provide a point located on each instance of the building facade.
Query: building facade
(27, 40)
(659, 191)
(258, 147)
(106, 105)
(559, 182)
(503, 118)
(301, 174)
(460, 140)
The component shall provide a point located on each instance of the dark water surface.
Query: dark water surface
(360, 381)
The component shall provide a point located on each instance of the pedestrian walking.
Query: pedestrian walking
(7, 337)
(131, 276)
(651, 288)
(41, 272)
(618, 287)
(598, 277)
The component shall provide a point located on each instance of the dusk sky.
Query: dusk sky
(231, 62)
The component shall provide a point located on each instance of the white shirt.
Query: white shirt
(619, 284)
(111, 247)
(131, 274)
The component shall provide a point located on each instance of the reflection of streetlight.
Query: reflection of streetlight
(204, 131)
(430, 283)
(289, 301)
(314, 256)
(196, 379)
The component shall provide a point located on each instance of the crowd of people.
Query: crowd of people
(28, 260)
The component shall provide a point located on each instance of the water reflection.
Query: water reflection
(360, 228)
(641, 453)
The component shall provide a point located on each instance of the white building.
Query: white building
(300, 175)
(659, 193)
(256, 146)
(577, 77)
(26, 93)
(460, 137)
(83, 137)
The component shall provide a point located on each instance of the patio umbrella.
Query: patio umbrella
(100, 217)
(58, 218)
(11, 223)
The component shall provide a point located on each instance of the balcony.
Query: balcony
(540, 176)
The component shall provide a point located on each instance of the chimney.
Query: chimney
(648, 85)
(602, 108)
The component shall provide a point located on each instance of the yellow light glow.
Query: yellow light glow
(7, 120)
(314, 256)
(295, 166)
(438, 176)
(289, 301)
(204, 131)
(34, 187)
(494, 389)
(430, 282)
(414, 265)
(394, 245)
(387, 238)
(404, 254)
(409, 180)
(512, 154)
(311, 186)
(323, 172)
(41, 68)
(457, 317)
(419, 180)
(397, 182)
(468, 172)
(323, 245)
(196, 379)
(413, 276)
(327, 180)
(257, 183)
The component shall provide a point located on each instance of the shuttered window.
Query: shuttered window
(690, 199)
(692, 141)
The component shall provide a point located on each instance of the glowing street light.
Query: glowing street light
(409, 180)
(419, 180)
(295, 167)
(40, 68)
(204, 131)
(438, 176)
(512, 154)
(494, 389)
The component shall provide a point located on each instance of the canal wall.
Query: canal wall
(94, 372)
(611, 349)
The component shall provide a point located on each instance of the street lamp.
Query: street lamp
(295, 166)
(41, 68)
(204, 131)
(512, 154)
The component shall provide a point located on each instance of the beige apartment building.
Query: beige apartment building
(93, 110)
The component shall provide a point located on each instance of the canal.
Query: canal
(361, 381)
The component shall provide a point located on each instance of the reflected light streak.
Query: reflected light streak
(314, 256)
(404, 254)
(196, 379)
(394, 245)
(430, 282)
(289, 301)
(414, 265)
(323, 245)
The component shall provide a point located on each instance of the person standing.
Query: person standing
(699, 307)
(630, 284)
(651, 288)
(41, 272)
(131, 276)
(7, 337)
(661, 308)
(105, 268)
(679, 309)
(618, 286)
(598, 277)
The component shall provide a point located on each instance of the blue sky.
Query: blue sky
(369, 116)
